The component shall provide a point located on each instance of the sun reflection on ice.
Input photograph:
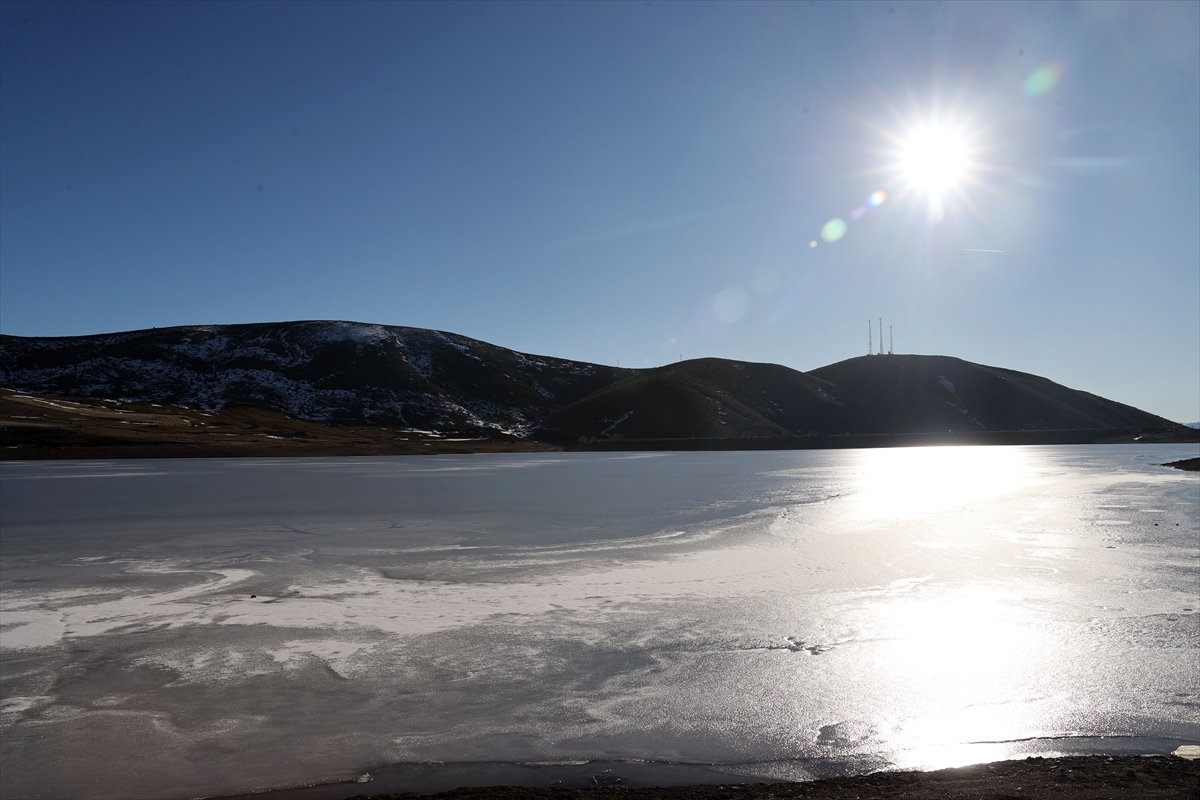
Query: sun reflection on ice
(966, 652)
(957, 650)
(905, 482)
(953, 754)
(973, 735)
(954, 641)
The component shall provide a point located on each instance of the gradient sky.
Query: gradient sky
(633, 181)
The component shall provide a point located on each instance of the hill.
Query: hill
(704, 398)
(329, 372)
(871, 395)
(385, 380)
(908, 393)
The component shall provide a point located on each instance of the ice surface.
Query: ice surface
(188, 628)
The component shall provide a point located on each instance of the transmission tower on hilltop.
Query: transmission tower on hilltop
(871, 351)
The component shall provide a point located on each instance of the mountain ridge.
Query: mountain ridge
(360, 374)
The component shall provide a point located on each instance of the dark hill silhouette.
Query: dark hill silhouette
(352, 374)
(704, 398)
(717, 399)
(927, 394)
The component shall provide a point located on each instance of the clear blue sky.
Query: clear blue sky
(629, 181)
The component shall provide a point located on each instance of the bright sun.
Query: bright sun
(933, 159)
(939, 158)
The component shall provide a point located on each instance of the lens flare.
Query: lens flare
(765, 280)
(834, 229)
(731, 304)
(1042, 80)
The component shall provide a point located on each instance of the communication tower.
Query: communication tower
(870, 345)
(891, 342)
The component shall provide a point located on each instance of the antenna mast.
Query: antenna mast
(891, 342)
(870, 345)
(881, 336)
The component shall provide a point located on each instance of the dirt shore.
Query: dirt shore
(46, 427)
(1074, 778)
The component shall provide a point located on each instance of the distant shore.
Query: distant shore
(869, 440)
(55, 443)
(47, 427)
(1094, 777)
(1074, 778)
(43, 427)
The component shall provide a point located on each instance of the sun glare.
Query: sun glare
(940, 159)
(933, 159)
(914, 482)
(941, 156)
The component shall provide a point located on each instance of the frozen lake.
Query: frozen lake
(184, 628)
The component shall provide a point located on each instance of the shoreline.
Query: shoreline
(256, 447)
(1075, 778)
(1089, 777)
(47, 428)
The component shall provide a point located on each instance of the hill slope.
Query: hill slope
(705, 398)
(920, 394)
(332, 372)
